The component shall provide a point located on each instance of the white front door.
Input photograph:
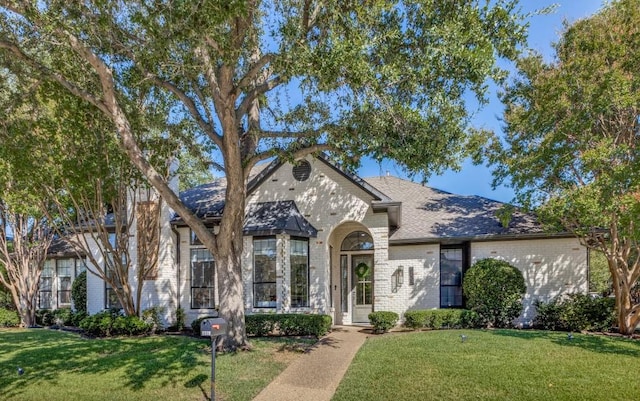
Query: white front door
(362, 287)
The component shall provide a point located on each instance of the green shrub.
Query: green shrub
(45, 317)
(470, 319)
(575, 312)
(6, 300)
(494, 290)
(111, 323)
(9, 318)
(130, 326)
(441, 318)
(415, 319)
(78, 317)
(260, 325)
(79, 293)
(152, 317)
(383, 321)
(292, 325)
(287, 324)
(180, 318)
(62, 316)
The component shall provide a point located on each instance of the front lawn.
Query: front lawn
(64, 366)
(493, 365)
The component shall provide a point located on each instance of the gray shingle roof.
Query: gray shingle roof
(429, 213)
(280, 217)
(206, 200)
(63, 248)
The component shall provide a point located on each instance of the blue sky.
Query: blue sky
(476, 180)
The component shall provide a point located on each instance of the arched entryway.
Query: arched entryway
(352, 274)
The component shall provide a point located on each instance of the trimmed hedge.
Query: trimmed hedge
(575, 312)
(494, 289)
(383, 321)
(441, 319)
(287, 324)
(44, 317)
(9, 318)
(79, 293)
(59, 317)
(111, 323)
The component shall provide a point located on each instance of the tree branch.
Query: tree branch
(59, 78)
(190, 105)
(251, 75)
(255, 93)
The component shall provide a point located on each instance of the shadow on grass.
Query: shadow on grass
(45, 354)
(198, 381)
(590, 342)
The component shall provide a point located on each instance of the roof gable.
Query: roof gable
(271, 168)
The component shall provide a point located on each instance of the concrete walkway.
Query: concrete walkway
(316, 374)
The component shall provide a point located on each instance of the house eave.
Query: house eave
(478, 238)
(393, 210)
(208, 221)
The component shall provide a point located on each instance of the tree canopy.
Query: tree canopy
(572, 136)
(264, 79)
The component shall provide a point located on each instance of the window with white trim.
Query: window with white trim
(64, 270)
(45, 298)
(202, 279)
(299, 262)
(264, 272)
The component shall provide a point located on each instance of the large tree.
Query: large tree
(25, 232)
(572, 144)
(281, 78)
(25, 238)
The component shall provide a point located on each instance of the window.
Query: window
(299, 260)
(451, 270)
(344, 283)
(264, 273)
(64, 269)
(357, 241)
(202, 279)
(81, 266)
(46, 285)
(111, 298)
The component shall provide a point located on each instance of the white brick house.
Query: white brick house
(319, 240)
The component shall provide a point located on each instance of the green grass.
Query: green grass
(64, 366)
(493, 365)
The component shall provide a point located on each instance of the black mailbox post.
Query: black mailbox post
(213, 328)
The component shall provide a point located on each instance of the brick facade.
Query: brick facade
(405, 276)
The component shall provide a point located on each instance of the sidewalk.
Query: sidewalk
(316, 374)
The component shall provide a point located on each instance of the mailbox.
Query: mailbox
(213, 327)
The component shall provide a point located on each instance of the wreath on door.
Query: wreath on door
(362, 270)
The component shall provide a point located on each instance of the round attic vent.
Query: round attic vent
(301, 170)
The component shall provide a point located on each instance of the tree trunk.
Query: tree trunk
(229, 272)
(230, 238)
(627, 314)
